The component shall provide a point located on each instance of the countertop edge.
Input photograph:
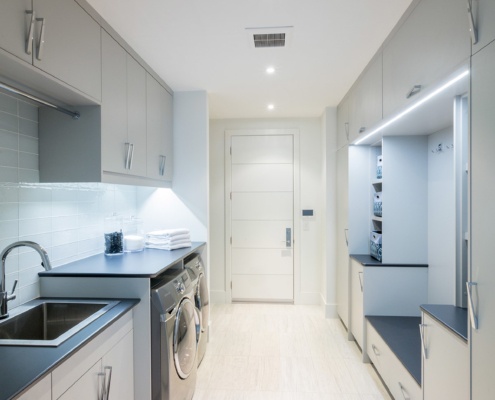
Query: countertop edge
(438, 316)
(367, 261)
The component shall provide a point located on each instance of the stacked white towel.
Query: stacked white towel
(168, 239)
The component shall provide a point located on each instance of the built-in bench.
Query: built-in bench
(394, 346)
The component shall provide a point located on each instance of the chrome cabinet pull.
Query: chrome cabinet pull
(346, 127)
(360, 274)
(415, 89)
(41, 41)
(30, 35)
(472, 315)
(472, 26)
(404, 392)
(127, 155)
(362, 129)
(422, 335)
(346, 238)
(101, 386)
(131, 146)
(288, 237)
(107, 387)
(163, 160)
(375, 350)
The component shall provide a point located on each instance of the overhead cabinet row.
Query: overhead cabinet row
(124, 135)
(407, 65)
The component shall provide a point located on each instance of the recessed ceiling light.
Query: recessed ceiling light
(270, 70)
(270, 106)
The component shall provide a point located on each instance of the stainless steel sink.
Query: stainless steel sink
(50, 322)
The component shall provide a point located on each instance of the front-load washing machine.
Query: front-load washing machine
(174, 332)
(202, 299)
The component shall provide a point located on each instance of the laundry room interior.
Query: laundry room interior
(251, 200)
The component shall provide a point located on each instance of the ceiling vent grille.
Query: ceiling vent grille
(269, 40)
(269, 37)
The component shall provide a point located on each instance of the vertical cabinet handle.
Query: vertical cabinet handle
(163, 160)
(472, 26)
(30, 35)
(288, 238)
(41, 41)
(108, 383)
(415, 89)
(127, 155)
(362, 129)
(423, 344)
(360, 275)
(346, 238)
(404, 392)
(101, 386)
(375, 350)
(346, 127)
(472, 315)
(131, 146)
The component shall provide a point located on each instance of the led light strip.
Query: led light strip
(414, 106)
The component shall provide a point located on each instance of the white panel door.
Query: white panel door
(262, 209)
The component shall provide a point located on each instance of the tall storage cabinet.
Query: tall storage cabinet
(482, 222)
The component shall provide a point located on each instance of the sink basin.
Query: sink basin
(49, 322)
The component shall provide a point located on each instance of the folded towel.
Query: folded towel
(172, 239)
(169, 247)
(167, 242)
(168, 233)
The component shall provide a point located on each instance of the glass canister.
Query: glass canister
(133, 235)
(114, 237)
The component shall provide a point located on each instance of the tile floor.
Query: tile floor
(282, 352)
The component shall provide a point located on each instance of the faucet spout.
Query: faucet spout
(4, 296)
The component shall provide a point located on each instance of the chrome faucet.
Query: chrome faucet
(4, 296)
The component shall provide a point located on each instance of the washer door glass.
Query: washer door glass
(204, 302)
(185, 339)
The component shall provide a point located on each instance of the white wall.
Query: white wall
(441, 220)
(329, 290)
(311, 197)
(186, 204)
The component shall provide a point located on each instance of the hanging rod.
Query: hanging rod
(74, 115)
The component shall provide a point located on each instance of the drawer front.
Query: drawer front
(398, 380)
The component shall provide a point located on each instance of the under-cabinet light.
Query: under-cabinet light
(270, 70)
(414, 106)
(270, 106)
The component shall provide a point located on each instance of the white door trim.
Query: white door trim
(297, 221)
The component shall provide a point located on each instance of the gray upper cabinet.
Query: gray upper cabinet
(67, 45)
(56, 36)
(14, 28)
(123, 113)
(343, 123)
(159, 130)
(484, 15)
(365, 107)
(482, 221)
(422, 57)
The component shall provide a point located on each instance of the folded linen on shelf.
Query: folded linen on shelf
(168, 233)
(169, 247)
(171, 240)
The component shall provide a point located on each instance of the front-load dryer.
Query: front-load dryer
(174, 333)
(201, 298)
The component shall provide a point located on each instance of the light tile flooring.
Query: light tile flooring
(282, 352)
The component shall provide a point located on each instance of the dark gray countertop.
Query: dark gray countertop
(453, 318)
(367, 261)
(145, 264)
(402, 336)
(21, 366)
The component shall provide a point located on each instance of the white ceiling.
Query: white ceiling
(203, 45)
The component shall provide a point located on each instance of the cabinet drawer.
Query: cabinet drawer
(398, 380)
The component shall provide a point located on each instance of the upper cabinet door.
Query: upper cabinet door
(365, 108)
(484, 17)
(159, 110)
(431, 44)
(14, 28)
(67, 45)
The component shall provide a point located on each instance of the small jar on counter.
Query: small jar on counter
(133, 235)
(114, 237)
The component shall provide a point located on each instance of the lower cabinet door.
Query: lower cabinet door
(86, 388)
(41, 391)
(121, 361)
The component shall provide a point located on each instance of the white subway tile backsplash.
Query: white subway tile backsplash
(9, 122)
(9, 158)
(28, 144)
(66, 219)
(9, 140)
(28, 111)
(28, 127)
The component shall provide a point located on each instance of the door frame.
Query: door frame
(229, 133)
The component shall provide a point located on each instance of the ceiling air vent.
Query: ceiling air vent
(269, 40)
(269, 37)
